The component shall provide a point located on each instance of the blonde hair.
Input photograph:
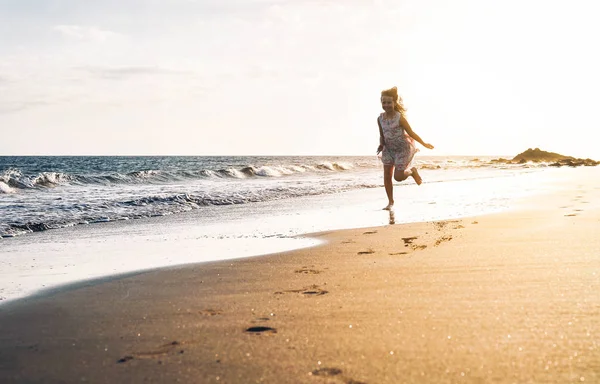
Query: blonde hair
(398, 103)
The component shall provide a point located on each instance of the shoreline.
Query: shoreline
(507, 297)
(47, 260)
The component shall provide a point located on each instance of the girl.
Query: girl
(396, 140)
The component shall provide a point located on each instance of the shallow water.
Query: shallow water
(42, 193)
(46, 259)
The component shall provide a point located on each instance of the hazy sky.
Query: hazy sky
(286, 77)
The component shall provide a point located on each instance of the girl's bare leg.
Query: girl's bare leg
(401, 175)
(388, 170)
(416, 176)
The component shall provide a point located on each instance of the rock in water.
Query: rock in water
(537, 155)
(556, 160)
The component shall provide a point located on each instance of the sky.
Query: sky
(296, 77)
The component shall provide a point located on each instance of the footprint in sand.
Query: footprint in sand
(160, 351)
(442, 239)
(307, 271)
(210, 312)
(260, 320)
(327, 372)
(439, 225)
(334, 372)
(260, 330)
(408, 240)
(418, 247)
(313, 290)
(369, 232)
(348, 242)
(367, 252)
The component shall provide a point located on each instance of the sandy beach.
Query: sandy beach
(194, 191)
(505, 298)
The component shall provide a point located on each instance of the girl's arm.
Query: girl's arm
(412, 134)
(381, 139)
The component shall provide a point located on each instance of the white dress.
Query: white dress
(399, 148)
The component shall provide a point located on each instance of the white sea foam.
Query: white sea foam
(268, 171)
(4, 188)
(343, 165)
(297, 168)
(50, 179)
(145, 174)
(234, 173)
(326, 165)
(284, 171)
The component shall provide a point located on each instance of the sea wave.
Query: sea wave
(51, 179)
(5, 188)
(15, 179)
(65, 215)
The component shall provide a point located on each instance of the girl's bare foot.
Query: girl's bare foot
(416, 176)
(392, 217)
(389, 207)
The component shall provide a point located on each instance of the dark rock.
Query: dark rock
(557, 160)
(538, 155)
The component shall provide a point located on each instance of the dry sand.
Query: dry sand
(506, 298)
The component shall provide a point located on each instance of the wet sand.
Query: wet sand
(505, 298)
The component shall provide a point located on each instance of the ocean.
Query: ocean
(68, 219)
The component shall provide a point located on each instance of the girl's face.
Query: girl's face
(387, 103)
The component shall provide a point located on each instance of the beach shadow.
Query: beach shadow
(46, 293)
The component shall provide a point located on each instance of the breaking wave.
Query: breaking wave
(14, 179)
(161, 205)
